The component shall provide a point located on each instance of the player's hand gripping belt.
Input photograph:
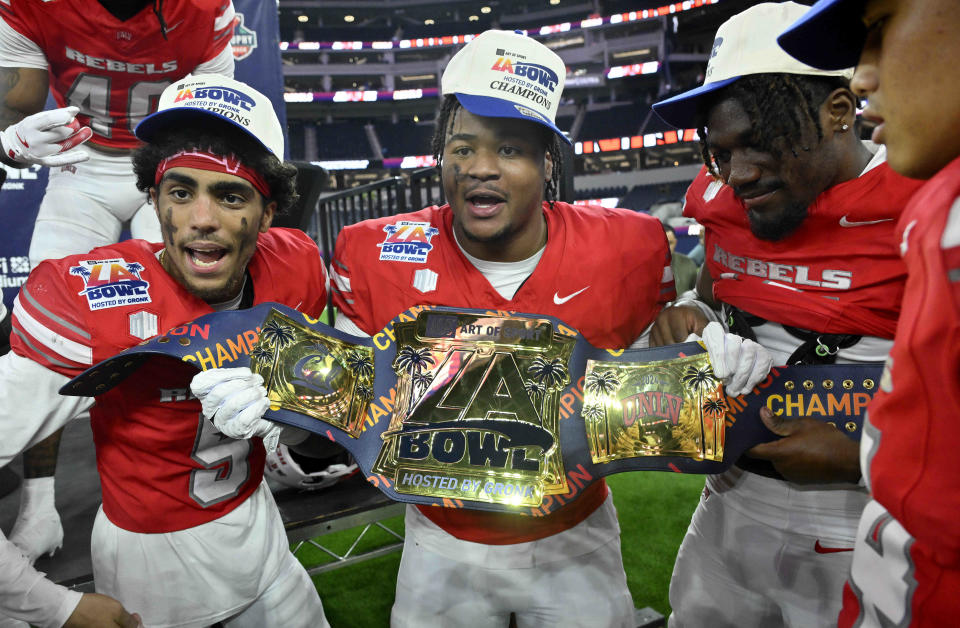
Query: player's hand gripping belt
(45, 138)
(235, 400)
(739, 362)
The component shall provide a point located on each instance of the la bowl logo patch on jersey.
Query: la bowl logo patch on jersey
(244, 40)
(407, 241)
(112, 283)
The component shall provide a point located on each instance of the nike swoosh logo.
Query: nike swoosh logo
(846, 223)
(561, 300)
(829, 550)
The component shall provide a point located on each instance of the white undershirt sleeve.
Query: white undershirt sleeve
(17, 51)
(26, 593)
(32, 408)
(223, 64)
(347, 326)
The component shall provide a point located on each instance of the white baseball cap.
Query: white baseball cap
(745, 44)
(199, 96)
(501, 74)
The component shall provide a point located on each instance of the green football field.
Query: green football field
(654, 510)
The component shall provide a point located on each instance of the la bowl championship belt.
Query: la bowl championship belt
(496, 411)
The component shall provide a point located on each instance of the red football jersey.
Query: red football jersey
(606, 272)
(910, 438)
(115, 70)
(162, 467)
(840, 272)
(916, 410)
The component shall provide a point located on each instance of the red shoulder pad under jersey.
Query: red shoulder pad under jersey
(288, 269)
(49, 326)
(115, 70)
(911, 441)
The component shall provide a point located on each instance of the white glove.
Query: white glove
(235, 400)
(44, 138)
(739, 362)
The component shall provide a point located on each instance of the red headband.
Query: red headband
(228, 164)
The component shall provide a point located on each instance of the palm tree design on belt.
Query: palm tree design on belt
(264, 357)
(552, 374)
(260, 353)
(714, 407)
(413, 361)
(365, 391)
(360, 364)
(604, 384)
(535, 390)
(278, 336)
(699, 381)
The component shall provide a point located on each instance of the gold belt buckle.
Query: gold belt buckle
(477, 408)
(316, 375)
(667, 408)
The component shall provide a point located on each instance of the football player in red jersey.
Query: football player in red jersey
(106, 63)
(906, 563)
(799, 217)
(502, 243)
(188, 533)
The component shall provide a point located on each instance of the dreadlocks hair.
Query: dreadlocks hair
(219, 138)
(778, 105)
(444, 124)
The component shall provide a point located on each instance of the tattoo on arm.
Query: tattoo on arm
(9, 77)
(23, 92)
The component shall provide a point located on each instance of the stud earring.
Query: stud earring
(844, 126)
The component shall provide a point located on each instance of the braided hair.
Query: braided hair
(778, 105)
(551, 141)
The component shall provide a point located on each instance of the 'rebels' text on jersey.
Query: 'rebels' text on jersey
(840, 272)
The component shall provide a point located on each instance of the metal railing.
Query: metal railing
(396, 195)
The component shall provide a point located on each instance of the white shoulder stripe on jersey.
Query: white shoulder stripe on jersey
(56, 319)
(667, 274)
(17, 51)
(38, 350)
(68, 349)
(343, 283)
(222, 64)
(225, 18)
(951, 231)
